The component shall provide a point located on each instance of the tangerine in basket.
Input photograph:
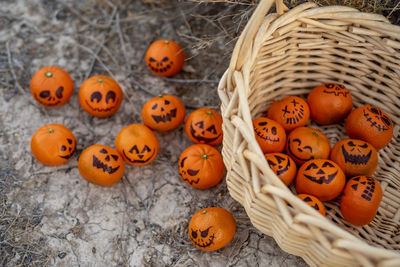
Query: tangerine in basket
(101, 165)
(329, 103)
(165, 58)
(212, 228)
(283, 166)
(163, 113)
(204, 126)
(290, 112)
(201, 166)
(321, 178)
(306, 143)
(137, 144)
(360, 200)
(51, 86)
(53, 144)
(370, 124)
(270, 135)
(355, 157)
(313, 202)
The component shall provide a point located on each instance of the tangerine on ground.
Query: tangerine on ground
(270, 135)
(212, 228)
(290, 112)
(137, 144)
(283, 166)
(355, 157)
(360, 200)
(321, 178)
(204, 126)
(101, 165)
(201, 166)
(165, 58)
(51, 86)
(329, 103)
(53, 144)
(371, 125)
(163, 113)
(306, 143)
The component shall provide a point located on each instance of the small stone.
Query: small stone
(62, 255)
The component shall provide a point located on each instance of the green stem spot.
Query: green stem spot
(205, 156)
(315, 134)
(100, 80)
(48, 74)
(51, 130)
(166, 41)
(209, 112)
(204, 212)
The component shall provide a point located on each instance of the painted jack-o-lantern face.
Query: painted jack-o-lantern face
(163, 113)
(204, 126)
(290, 112)
(313, 202)
(321, 178)
(212, 228)
(335, 89)
(137, 144)
(355, 157)
(360, 200)
(283, 166)
(305, 143)
(201, 166)
(370, 124)
(101, 165)
(165, 58)
(270, 135)
(100, 96)
(53, 144)
(51, 86)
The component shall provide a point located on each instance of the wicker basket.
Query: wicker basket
(288, 53)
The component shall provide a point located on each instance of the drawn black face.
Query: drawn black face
(293, 112)
(202, 238)
(308, 200)
(279, 164)
(302, 153)
(134, 155)
(163, 112)
(102, 102)
(368, 192)
(336, 89)
(204, 133)
(188, 175)
(325, 175)
(50, 98)
(377, 118)
(267, 132)
(160, 66)
(67, 150)
(106, 161)
(357, 154)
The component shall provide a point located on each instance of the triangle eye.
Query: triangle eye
(145, 149)
(327, 164)
(134, 148)
(154, 107)
(279, 159)
(165, 59)
(212, 129)
(200, 124)
(152, 59)
(115, 157)
(271, 163)
(312, 166)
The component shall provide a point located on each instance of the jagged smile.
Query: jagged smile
(100, 165)
(102, 109)
(166, 117)
(356, 159)
(141, 160)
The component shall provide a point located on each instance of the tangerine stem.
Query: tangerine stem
(205, 156)
(48, 74)
(51, 130)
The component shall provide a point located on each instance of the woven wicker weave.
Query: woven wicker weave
(288, 53)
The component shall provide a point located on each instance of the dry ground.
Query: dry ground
(50, 215)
